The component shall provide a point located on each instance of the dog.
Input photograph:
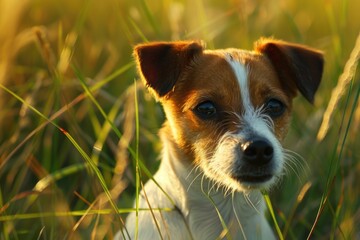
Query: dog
(227, 113)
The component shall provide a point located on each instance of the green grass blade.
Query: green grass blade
(113, 76)
(137, 29)
(93, 167)
(92, 98)
(351, 117)
(150, 17)
(272, 213)
(137, 172)
(57, 175)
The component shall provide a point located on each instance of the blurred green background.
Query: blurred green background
(68, 119)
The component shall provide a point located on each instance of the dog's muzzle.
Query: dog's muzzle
(257, 156)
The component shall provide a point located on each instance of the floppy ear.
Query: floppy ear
(297, 66)
(161, 63)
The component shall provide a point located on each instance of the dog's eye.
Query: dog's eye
(205, 110)
(274, 108)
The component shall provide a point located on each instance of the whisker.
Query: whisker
(214, 184)
(251, 204)
(195, 178)
(295, 162)
(227, 191)
(297, 157)
(193, 169)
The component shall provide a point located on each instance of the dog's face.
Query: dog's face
(228, 110)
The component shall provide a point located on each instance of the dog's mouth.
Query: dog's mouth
(253, 178)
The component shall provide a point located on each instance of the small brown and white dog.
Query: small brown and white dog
(227, 114)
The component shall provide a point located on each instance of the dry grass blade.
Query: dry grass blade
(339, 90)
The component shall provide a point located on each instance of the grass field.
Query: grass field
(73, 119)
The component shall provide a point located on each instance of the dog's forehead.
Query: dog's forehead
(250, 61)
(235, 77)
(255, 75)
(256, 67)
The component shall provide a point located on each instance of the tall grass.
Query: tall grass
(78, 138)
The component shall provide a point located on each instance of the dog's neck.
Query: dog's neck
(201, 202)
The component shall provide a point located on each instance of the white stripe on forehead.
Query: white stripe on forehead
(251, 116)
(241, 75)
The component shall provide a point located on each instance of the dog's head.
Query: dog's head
(228, 110)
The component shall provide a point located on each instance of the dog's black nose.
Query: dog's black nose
(257, 151)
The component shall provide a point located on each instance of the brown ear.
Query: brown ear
(298, 67)
(160, 63)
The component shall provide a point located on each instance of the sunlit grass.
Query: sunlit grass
(78, 138)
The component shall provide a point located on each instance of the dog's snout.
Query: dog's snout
(257, 151)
